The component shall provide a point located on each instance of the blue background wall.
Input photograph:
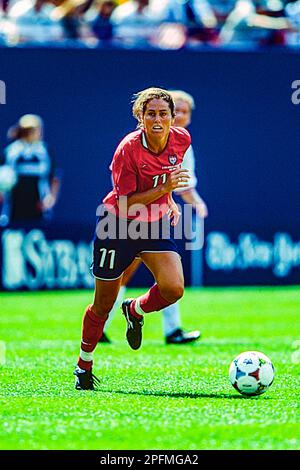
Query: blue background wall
(246, 131)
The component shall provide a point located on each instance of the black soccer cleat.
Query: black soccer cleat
(134, 326)
(104, 339)
(182, 337)
(85, 379)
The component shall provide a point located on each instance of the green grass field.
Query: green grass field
(160, 397)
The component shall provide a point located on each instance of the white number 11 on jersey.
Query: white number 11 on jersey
(156, 179)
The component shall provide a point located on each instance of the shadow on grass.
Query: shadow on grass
(180, 395)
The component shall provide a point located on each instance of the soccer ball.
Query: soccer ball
(251, 373)
(8, 178)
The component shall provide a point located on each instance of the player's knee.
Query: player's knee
(172, 292)
(103, 307)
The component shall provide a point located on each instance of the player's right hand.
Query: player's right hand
(177, 179)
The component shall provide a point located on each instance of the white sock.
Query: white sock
(138, 308)
(86, 356)
(171, 319)
(116, 305)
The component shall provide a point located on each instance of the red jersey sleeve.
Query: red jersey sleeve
(183, 137)
(124, 174)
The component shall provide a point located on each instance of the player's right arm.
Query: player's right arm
(125, 179)
(176, 179)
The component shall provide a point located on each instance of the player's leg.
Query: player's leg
(127, 275)
(174, 334)
(130, 271)
(167, 270)
(110, 259)
(93, 323)
(104, 338)
(171, 319)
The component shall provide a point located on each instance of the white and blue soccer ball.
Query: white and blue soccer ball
(251, 373)
(8, 178)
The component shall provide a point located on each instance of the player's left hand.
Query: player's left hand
(48, 202)
(173, 212)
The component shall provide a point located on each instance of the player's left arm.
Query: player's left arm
(190, 194)
(50, 199)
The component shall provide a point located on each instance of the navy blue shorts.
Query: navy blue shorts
(114, 253)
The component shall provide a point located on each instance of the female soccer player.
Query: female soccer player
(173, 332)
(35, 193)
(146, 169)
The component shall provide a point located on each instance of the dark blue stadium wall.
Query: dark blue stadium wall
(246, 135)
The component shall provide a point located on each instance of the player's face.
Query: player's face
(34, 135)
(183, 114)
(157, 118)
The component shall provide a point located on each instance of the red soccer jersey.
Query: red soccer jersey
(136, 169)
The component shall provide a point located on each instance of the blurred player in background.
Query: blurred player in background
(146, 168)
(34, 190)
(172, 330)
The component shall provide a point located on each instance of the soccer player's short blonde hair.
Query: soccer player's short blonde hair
(183, 96)
(142, 98)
